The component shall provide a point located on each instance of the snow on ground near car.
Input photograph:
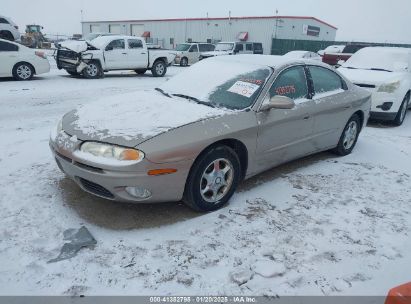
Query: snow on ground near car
(321, 225)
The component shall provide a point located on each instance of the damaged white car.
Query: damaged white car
(111, 53)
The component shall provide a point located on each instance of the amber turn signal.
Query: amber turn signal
(162, 171)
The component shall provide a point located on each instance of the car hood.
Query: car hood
(359, 76)
(132, 118)
(77, 46)
(215, 53)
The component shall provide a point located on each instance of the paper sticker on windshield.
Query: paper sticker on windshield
(244, 88)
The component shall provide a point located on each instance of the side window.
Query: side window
(239, 47)
(291, 83)
(211, 47)
(194, 49)
(324, 80)
(249, 47)
(8, 47)
(4, 21)
(135, 44)
(116, 45)
(203, 47)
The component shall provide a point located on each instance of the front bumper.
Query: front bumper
(385, 116)
(110, 182)
(380, 99)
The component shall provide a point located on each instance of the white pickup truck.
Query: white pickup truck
(109, 53)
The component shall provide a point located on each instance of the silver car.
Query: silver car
(200, 134)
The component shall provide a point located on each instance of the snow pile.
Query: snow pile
(141, 114)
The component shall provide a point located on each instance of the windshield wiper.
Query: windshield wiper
(382, 70)
(194, 99)
(162, 92)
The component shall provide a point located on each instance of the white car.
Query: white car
(20, 62)
(189, 53)
(386, 72)
(303, 55)
(110, 53)
(8, 29)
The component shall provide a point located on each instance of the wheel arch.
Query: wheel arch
(361, 116)
(25, 62)
(239, 148)
(164, 59)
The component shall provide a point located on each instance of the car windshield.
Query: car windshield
(182, 47)
(223, 47)
(383, 59)
(233, 86)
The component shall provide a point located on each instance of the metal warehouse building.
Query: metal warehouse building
(169, 32)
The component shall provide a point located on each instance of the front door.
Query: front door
(284, 135)
(115, 55)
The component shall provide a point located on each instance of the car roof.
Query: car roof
(387, 49)
(272, 61)
(103, 39)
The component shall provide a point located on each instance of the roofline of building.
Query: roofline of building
(218, 18)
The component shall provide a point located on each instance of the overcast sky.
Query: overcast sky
(360, 20)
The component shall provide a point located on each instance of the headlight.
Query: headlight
(112, 152)
(59, 126)
(389, 87)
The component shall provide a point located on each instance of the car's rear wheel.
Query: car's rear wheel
(402, 112)
(6, 35)
(93, 70)
(184, 62)
(23, 71)
(213, 179)
(349, 137)
(140, 72)
(159, 68)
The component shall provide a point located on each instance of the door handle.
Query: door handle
(124, 53)
(143, 53)
(306, 117)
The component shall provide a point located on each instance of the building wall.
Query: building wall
(259, 29)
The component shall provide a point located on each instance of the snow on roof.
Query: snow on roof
(221, 18)
(258, 60)
(101, 41)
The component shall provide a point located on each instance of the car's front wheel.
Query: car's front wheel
(159, 68)
(213, 179)
(184, 62)
(402, 112)
(23, 71)
(93, 70)
(349, 137)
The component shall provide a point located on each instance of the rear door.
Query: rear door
(286, 134)
(193, 54)
(332, 105)
(116, 55)
(9, 54)
(137, 55)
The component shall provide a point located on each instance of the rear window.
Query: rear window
(135, 44)
(8, 47)
(324, 80)
(249, 47)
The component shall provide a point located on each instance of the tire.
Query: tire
(159, 68)
(73, 73)
(213, 179)
(402, 112)
(93, 70)
(141, 72)
(23, 71)
(184, 62)
(349, 137)
(7, 36)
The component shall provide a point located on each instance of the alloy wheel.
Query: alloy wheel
(350, 135)
(216, 180)
(24, 72)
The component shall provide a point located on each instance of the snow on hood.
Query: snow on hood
(369, 76)
(74, 45)
(134, 117)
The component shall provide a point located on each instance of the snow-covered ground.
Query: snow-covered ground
(321, 225)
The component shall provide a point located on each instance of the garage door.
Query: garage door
(137, 30)
(115, 29)
(94, 28)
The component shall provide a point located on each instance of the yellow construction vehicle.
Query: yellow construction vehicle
(34, 38)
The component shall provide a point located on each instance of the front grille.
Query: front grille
(370, 86)
(95, 188)
(67, 54)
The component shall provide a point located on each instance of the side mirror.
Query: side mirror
(279, 102)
